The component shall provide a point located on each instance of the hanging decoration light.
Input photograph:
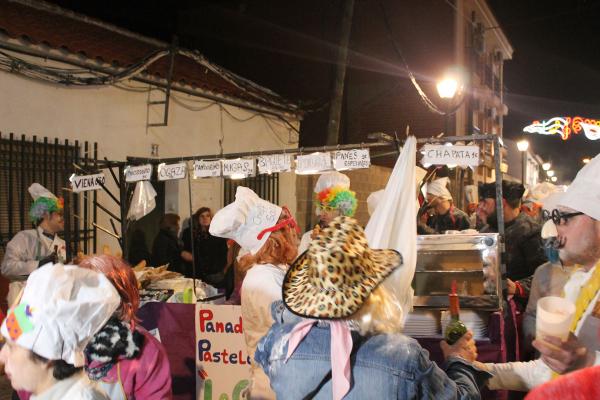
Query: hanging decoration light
(566, 127)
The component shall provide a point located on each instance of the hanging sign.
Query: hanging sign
(313, 163)
(207, 169)
(274, 163)
(83, 183)
(139, 173)
(565, 127)
(450, 155)
(239, 168)
(222, 359)
(351, 159)
(171, 171)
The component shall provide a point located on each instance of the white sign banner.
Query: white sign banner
(351, 159)
(171, 171)
(240, 166)
(83, 183)
(274, 163)
(207, 169)
(139, 173)
(222, 360)
(313, 163)
(450, 155)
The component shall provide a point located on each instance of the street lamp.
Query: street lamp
(586, 160)
(523, 145)
(447, 89)
(546, 166)
(553, 179)
(550, 173)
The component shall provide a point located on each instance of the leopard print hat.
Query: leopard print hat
(334, 277)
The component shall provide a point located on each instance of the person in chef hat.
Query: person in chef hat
(32, 248)
(267, 234)
(333, 198)
(446, 216)
(47, 330)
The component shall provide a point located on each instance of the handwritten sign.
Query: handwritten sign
(207, 169)
(83, 183)
(171, 171)
(222, 359)
(239, 167)
(450, 155)
(313, 163)
(139, 173)
(274, 163)
(351, 159)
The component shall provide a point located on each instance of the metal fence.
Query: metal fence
(50, 163)
(265, 186)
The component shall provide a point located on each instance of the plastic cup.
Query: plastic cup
(554, 317)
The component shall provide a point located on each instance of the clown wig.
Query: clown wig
(337, 198)
(44, 206)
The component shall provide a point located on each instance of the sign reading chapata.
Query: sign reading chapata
(351, 159)
(313, 163)
(450, 155)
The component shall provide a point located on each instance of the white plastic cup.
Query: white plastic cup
(554, 317)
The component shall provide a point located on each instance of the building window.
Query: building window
(265, 186)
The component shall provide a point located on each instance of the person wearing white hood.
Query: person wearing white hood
(46, 332)
(577, 220)
(333, 198)
(32, 248)
(267, 235)
(446, 217)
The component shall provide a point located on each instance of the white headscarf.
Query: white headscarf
(439, 188)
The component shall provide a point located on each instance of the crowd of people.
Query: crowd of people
(318, 321)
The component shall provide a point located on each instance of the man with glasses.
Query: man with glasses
(577, 219)
(32, 248)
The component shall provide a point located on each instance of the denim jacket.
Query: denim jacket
(391, 366)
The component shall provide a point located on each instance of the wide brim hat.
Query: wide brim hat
(338, 272)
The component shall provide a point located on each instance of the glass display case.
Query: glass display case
(472, 260)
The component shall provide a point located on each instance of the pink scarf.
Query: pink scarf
(341, 347)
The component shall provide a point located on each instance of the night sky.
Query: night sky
(555, 69)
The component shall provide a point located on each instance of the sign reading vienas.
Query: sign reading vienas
(450, 155)
(83, 183)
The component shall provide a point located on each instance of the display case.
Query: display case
(472, 260)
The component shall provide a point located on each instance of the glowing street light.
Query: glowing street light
(586, 160)
(553, 179)
(447, 88)
(523, 145)
(546, 166)
(550, 173)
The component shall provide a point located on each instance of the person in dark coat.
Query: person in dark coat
(166, 248)
(210, 252)
(445, 215)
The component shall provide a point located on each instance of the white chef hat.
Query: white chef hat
(244, 219)
(61, 308)
(36, 191)
(583, 194)
(438, 188)
(373, 200)
(331, 179)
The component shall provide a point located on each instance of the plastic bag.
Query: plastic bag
(143, 201)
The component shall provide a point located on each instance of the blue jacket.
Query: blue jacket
(386, 366)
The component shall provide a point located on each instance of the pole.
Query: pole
(524, 169)
(337, 95)
(192, 233)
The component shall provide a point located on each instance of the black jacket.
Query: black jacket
(454, 220)
(210, 252)
(166, 249)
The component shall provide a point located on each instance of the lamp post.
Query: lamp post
(546, 166)
(447, 89)
(586, 160)
(523, 145)
(550, 173)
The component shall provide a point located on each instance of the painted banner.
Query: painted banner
(274, 163)
(222, 361)
(167, 172)
(450, 155)
(139, 173)
(83, 183)
(313, 163)
(351, 159)
(207, 169)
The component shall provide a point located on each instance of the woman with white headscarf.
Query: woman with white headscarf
(446, 217)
